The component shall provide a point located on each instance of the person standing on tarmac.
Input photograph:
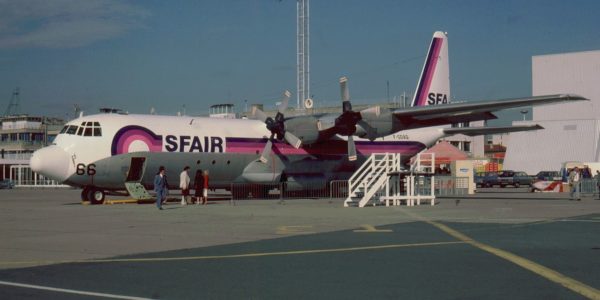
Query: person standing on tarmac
(574, 178)
(198, 186)
(597, 177)
(184, 184)
(161, 187)
(205, 189)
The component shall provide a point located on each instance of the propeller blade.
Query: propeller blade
(264, 156)
(351, 149)
(292, 140)
(284, 101)
(259, 114)
(371, 132)
(344, 89)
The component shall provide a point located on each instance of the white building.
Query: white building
(572, 131)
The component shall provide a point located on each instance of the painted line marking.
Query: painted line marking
(294, 230)
(69, 291)
(120, 201)
(570, 283)
(370, 229)
(580, 220)
(246, 255)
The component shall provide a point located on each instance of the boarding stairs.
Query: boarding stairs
(371, 178)
(381, 178)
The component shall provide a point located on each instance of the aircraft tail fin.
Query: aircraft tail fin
(434, 84)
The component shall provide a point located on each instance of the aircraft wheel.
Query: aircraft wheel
(96, 196)
(84, 194)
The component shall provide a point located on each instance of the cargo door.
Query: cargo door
(134, 177)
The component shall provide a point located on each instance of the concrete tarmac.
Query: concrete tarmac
(497, 244)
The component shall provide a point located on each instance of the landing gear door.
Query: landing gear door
(134, 177)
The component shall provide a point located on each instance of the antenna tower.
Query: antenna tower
(13, 105)
(302, 50)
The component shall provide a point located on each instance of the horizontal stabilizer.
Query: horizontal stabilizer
(473, 131)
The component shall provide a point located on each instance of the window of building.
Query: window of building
(467, 147)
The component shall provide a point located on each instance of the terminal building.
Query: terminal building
(20, 136)
(572, 131)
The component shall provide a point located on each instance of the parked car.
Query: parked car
(6, 184)
(486, 179)
(548, 176)
(514, 178)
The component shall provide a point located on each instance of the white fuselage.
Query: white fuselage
(87, 140)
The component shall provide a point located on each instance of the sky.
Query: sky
(177, 56)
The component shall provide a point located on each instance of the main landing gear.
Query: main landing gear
(93, 195)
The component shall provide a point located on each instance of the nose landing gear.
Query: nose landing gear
(93, 195)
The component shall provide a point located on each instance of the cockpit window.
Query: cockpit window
(72, 129)
(86, 129)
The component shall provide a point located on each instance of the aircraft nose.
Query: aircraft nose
(52, 162)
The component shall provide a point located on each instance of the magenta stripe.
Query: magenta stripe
(431, 67)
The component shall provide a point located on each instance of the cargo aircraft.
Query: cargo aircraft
(101, 152)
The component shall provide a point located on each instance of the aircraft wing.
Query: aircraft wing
(432, 115)
(474, 131)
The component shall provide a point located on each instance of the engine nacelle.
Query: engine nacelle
(305, 128)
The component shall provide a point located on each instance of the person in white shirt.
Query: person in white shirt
(574, 178)
(184, 184)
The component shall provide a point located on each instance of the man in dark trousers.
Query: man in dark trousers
(161, 187)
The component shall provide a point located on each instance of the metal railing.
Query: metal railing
(273, 191)
(338, 189)
(589, 187)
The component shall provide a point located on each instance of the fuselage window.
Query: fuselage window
(97, 124)
(88, 131)
(88, 124)
(97, 131)
(80, 131)
(72, 129)
(82, 123)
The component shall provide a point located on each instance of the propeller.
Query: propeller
(277, 127)
(345, 124)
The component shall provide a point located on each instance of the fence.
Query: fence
(240, 191)
(589, 187)
(22, 176)
(338, 189)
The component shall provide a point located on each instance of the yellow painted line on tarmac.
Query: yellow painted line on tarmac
(371, 229)
(120, 201)
(244, 255)
(299, 229)
(570, 283)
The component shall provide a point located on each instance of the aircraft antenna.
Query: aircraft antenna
(13, 108)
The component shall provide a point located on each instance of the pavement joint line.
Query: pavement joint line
(70, 291)
(545, 272)
(246, 255)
